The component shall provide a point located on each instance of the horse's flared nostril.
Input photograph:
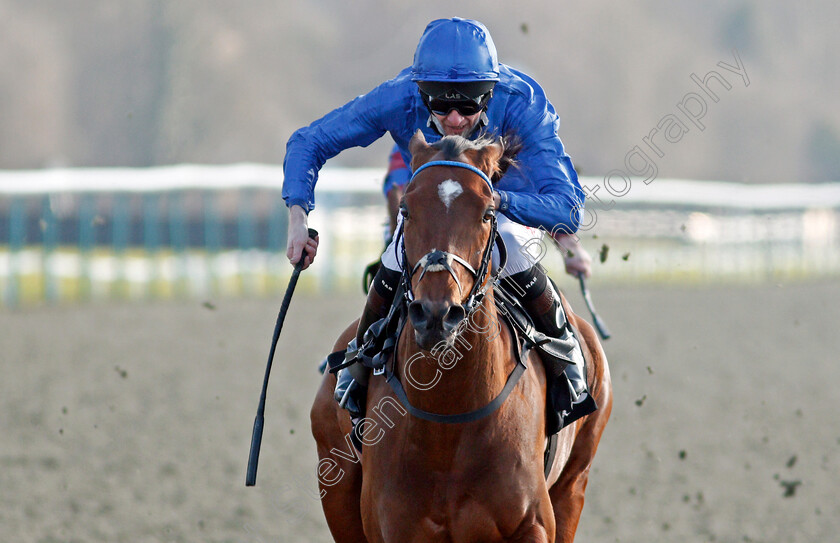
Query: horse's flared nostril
(417, 315)
(440, 316)
(454, 317)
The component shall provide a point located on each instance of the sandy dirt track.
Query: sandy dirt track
(131, 423)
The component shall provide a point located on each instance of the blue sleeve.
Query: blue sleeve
(358, 123)
(555, 199)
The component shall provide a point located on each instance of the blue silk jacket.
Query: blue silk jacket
(543, 191)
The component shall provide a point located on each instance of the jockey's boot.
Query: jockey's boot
(351, 381)
(561, 351)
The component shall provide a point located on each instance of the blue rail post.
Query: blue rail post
(212, 239)
(119, 236)
(151, 241)
(17, 213)
(245, 241)
(326, 272)
(49, 236)
(87, 217)
(178, 241)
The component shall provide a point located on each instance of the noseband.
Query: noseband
(437, 260)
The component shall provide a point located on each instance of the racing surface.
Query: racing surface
(131, 423)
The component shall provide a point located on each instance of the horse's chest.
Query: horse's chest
(454, 499)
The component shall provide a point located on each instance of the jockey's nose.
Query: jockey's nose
(427, 316)
(454, 117)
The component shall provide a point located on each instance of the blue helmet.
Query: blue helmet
(455, 50)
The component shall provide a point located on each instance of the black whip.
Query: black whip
(599, 323)
(256, 435)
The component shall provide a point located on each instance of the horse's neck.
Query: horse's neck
(464, 375)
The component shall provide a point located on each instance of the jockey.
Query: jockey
(456, 86)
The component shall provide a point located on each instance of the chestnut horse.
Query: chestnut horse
(479, 481)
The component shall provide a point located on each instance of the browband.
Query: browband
(455, 164)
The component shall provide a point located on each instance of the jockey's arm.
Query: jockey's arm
(542, 190)
(576, 259)
(358, 123)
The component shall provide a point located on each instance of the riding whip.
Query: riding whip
(600, 325)
(256, 436)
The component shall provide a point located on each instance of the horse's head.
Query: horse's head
(448, 221)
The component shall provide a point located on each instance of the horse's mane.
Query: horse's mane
(453, 146)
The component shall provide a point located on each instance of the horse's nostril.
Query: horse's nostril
(417, 314)
(442, 316)
(454, 316)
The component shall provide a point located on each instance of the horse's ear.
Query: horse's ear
(419, 149)
(487, 158)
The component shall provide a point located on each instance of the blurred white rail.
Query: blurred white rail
(207, 231)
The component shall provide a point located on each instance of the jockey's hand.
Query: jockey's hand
(299, 238)
(578, 262)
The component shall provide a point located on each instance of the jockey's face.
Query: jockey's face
(455, 124)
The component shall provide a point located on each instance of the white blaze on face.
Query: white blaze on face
(448, 191)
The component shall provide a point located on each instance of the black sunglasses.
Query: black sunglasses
(442, 106)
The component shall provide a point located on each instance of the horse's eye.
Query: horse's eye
(489, 214)
(404, 212)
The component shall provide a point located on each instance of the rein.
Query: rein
(470, 416)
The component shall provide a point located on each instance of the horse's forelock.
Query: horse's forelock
(451, 147)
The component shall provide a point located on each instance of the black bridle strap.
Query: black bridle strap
(512, 380)
(442, 260)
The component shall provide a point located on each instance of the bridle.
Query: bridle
(437, 260)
